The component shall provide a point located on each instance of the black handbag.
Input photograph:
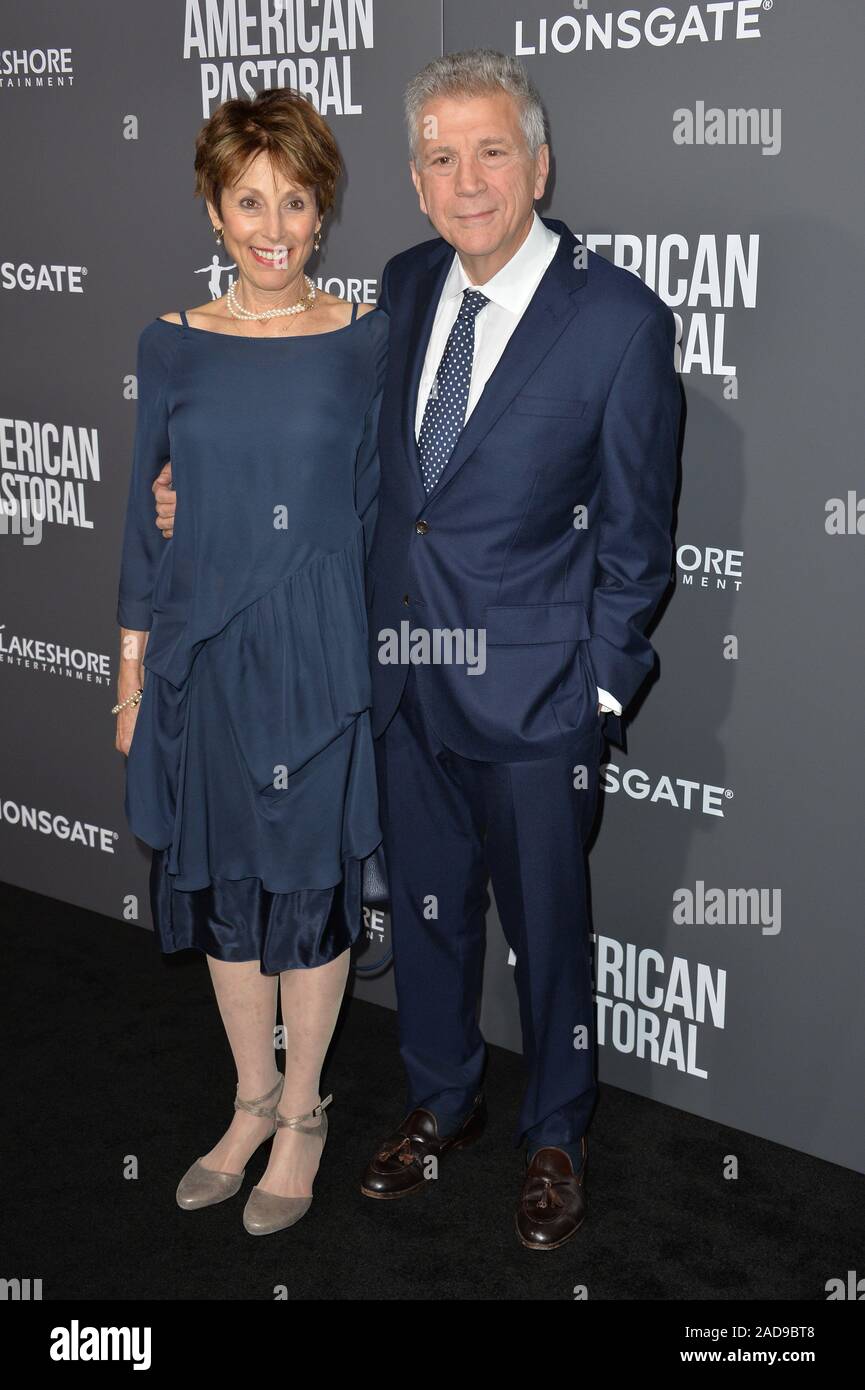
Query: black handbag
(376, 892)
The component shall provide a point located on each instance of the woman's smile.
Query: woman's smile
(275, 257)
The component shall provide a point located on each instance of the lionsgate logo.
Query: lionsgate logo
(55, 277)
(274, 43)
(55, 823)
(36, 67)
(434, 646)
(713, 21)
(680, 792)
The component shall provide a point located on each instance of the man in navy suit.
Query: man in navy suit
(528, 444)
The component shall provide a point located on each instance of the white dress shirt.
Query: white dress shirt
(509, 292)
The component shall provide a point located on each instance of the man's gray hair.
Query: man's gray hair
(477, 72)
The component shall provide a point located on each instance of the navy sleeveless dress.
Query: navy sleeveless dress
(251, 770)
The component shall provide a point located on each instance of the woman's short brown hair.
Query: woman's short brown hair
(277, 122)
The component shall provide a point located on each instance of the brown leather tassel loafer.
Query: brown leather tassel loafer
(398, 1167)
(552, 1205)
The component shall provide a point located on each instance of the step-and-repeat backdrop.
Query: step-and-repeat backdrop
(714, 149)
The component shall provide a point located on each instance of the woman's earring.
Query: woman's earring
(217, 231)
(316, 241)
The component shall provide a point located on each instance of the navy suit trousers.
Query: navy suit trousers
(451, 824)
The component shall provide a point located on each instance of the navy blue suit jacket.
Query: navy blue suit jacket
(582, 410)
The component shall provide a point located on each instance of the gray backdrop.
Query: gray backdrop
(744, 768)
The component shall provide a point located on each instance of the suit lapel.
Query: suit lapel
(548, 313)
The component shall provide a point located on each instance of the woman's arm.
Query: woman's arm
(142, 544)
(130, 677)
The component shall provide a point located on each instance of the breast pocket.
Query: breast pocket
(563, 407)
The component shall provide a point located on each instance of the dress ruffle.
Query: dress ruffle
(260, 764)
(239, 920)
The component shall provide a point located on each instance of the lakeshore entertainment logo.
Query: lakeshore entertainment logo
(655, 1008)
(353, 288)
(36, 67)
(271, 40)
(712, 272)
(58, 825)
(52, 659)
(44, 468)
(713, 21)
(709, 567)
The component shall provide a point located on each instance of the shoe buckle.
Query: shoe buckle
(296, 1121)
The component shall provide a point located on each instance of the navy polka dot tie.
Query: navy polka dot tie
(445, 411)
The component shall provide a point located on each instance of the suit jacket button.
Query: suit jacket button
(405, 598)
(421, 527)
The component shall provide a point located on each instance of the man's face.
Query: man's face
(476, 179)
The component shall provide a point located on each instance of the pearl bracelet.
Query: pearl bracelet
(132, 699)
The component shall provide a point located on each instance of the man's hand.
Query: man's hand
(166, 501)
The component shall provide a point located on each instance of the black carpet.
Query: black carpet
(116, 1055)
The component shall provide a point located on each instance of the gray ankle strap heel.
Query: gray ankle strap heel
(266, 1212)
(294, 1121)
(203, 1187)
(258, 1107)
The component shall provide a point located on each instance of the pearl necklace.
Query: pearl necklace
(237, 310)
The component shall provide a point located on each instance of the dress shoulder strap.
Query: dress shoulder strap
(183, 318)
(353, 312)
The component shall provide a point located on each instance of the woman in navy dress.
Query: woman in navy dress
(250, 767)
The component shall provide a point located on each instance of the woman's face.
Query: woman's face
(269, 222)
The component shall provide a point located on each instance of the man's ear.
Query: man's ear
(542, 170)
(415, 178)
